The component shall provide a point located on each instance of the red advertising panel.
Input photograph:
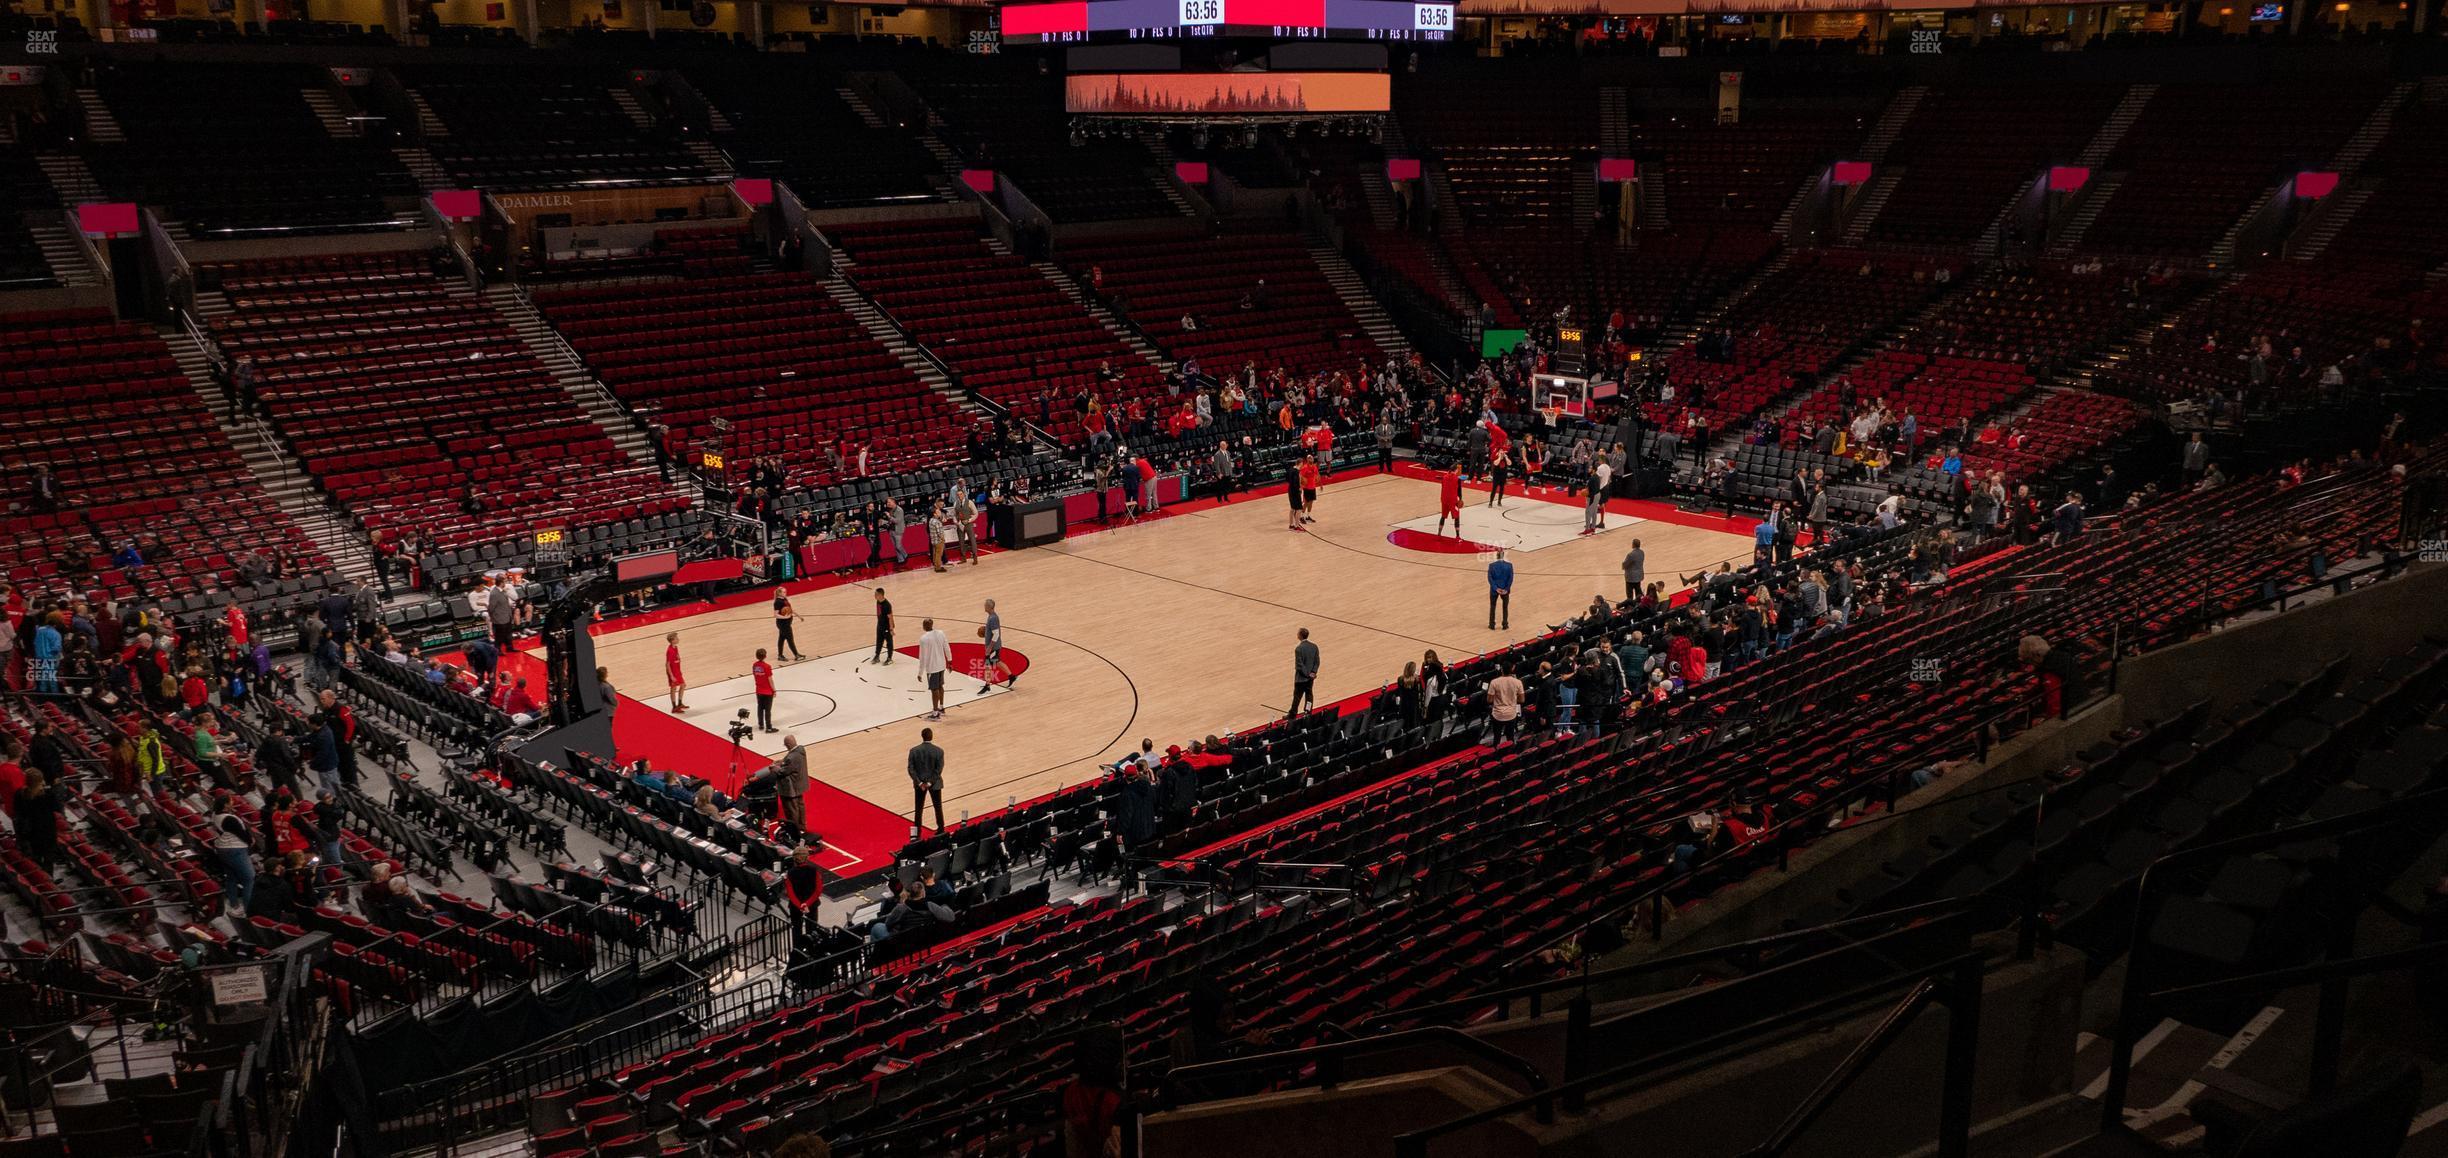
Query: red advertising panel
(2068, 178)
(1617, 169)
(2315, 184)
(107, 218)
(1402, 169)
(1191, 172)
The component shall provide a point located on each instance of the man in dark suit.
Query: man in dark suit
(926, 765)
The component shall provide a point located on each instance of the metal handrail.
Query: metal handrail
(1867, 1051)
(1586, 980)
(1414, 1144)
(2137, 998)
(1328, 1058)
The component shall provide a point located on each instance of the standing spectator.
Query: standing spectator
(896, 524)
(926, 768)
(1500, 591)
(2196, 458)
(12, 773)
(501, 614)
(1504, 702)
(276, 756)
(939, 531)
(1385, 443)
(322, 752)
(37, 816)
(42, 664)
(964, 526)
(1593, 511)
(1304, 674)
(1635, 571)
(229, 842)
(343, 722)
(2066, 523)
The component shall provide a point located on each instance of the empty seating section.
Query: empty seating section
(1294, 318)
(23, 190)
(1658, 278)
(414, 404)
(252, 159)
(1742, 175)
(999, 324)
(1512, 146)
(2398, 232)
(2200, 155)
(1789, 331)
(1983, 347)
(767, 351)
(1967, 148)
(999, 114)
(135, 452)
(538, 127)
(791, 124)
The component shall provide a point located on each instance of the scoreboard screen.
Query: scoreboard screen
(1093, 21)
(1192, 94)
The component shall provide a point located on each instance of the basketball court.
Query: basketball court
(1171, 629)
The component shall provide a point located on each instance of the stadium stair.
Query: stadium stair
(299, 498)
(592, 396)
(335, 120)
(65, 254)
(1356, 297)
(100, 126)
(70, 178)
(1864, 213)
(2091, 201)
(905, 349)
(1129, 336)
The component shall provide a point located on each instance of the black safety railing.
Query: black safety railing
(2142, 1001)
(1962, 976)
(1532, 996)
(442, 1112)
(1324, 1065)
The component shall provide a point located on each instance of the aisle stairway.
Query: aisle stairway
(591, 395)
(299, 497)
(1349, 286)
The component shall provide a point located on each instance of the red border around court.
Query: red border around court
(865, 836)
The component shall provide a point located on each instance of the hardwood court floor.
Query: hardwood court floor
(1171, 629)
